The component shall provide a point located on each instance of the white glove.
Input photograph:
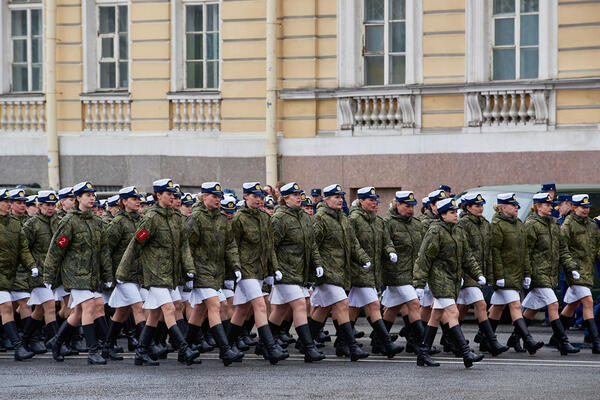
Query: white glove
(420, 293)
(462, 282)
(500, 283)
(393, 257)
(108, 285)
(367, 265)
(190, 275)
(118, 281)
(481, 280)
(319, 271)
(526, 282)
(229, 285)
(269, 280)
(189, 285)
(48, 286)
(278, 275)
(35, 272)
(575, 274)
(238, 276)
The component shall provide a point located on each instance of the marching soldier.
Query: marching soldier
(66, 201)
(31, 205)
(112, 207)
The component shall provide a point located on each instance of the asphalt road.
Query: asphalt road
(510, 376)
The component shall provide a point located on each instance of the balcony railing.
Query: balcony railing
(518, 107)
(22, 113)
(377, 112)
(195, 111)
(106, 112)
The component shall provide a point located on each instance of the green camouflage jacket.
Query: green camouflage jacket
(253, 234)
(14, 251)
(23, 277)
(162, 248)
(337, 245)
(548, 251)
(212, 245)
(78, 256)
(374, 239)
(582, 238)
(478, 233)
(444, 257)
(510, 255)
(120, 231)
(295, 247)
(39, 230)
(406, 234)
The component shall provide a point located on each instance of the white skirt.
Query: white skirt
(221, 295)
(442, 303)
(60, 293)
(5, 297)
(40, 295)
(306, 292)
(228, 293)
(576, 292)
(106, 296)
(159, 296)
(144, 294)
(78, 296)
(185, 296)
(361, 296)
(198, 295)
(469, 295)
(16, 296)
(326, 295)
(539, 298)
(427, 299)
(504, 296)
(396, 295)
(247, 290)
(125, 294)
(283, 294)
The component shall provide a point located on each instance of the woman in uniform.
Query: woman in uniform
(374, 239)
(39, 231)
(164, 254)
(443, 258)
(253, 234)
(406, 233)
(548, 251)
(338, 245)
(583, 240)
(512, 269)
(187, 203)
(297, 255)
(79, 255)
(213, 251)
(477, 231)
(31, 205)
(126, 297)
(14, 251)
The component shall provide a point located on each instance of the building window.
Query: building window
(515, 53)
(113, 47)
(27, 45)
(384, 47)
(201, 50)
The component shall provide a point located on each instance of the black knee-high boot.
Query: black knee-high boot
(390, 349)
(521, 328)
(427, 338)
(94, 357)
(563, 341)
(227, 354)
(21, 353)
(461, 343)
(310, 351)
(108, 350)
(489, 337)
(142, 353)
(347, 332)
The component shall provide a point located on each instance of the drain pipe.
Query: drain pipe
(50, 81)
(271, 111)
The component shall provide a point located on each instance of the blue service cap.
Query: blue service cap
(472, 198)
(269, 202)
(163, 185)
(564, 197)
(30, 200)
(290, 188)
(188, 199)
(113, 201)
(425, 201)
(150, 200)
(367, 192)
(437, 195)
(130, 191)
(212, 188)
(83, 187)
(445, 188)
(542, 198)
(3, 194)
(548, 187)
(47, 196)
(406, 196)
(178, 191)
(446, 204)
(316, 192)
(229, 204)
(17, 195)
(581, 200)
(65, 193)
(507, 198)
(253, 188)
(333, 190)
(306, 201)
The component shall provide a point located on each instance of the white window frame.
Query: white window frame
(480, 40)
(6, 49)
(516, 46)
(91, 56)
(116, 48)
(178, 56)
(350, 43)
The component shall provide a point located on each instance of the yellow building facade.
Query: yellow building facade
(391, 93)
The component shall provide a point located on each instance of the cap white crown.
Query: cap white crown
(330, 187)
(209, 185)
(14, 192)
(113, 198)
(470, 196)
(542, 195)
(288, 186)
(227, 199)
(365, 189)
(65, 190)
(31, 198)
(425, 200)
(250, 185)
(579, 197)
(44, 193)
(404, 193)
(161, 182)
(505, 196)
(126, 190)
(241, 203)
(435, 193)
(150, 198)
(443, 202)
